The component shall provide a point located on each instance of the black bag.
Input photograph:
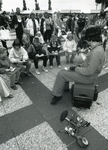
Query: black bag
(82, 101)
(82, 95)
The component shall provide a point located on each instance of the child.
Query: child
(54, 49)
(36, 52)
(19, 56)
(39, 35)
(6, 69)
(69, 47)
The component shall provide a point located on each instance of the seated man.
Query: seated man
(19, 56)
(88, 72)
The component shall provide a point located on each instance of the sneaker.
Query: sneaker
(44, 69)
(14, 87)
(59, 67)
(37, 72)
(55, 100)
(51, 67)
(106, 68)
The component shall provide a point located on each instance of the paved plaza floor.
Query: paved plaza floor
(29, 122)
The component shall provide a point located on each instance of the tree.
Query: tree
(49, 5)
(99, 1)
(24, 5)
(37, 5)
(1, 5)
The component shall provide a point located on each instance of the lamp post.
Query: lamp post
(0, 5)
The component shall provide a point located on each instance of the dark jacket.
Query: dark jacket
(53, 48)
(70, 25)
(33, 50)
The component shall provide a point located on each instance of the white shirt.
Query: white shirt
(29, 26)
(69, 46)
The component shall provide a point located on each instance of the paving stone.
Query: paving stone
(96, 142)
(19, 101)
(10, 145)
(24, 119)
(6, 132)
(41, 137)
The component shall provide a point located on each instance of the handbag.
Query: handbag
(5, 34)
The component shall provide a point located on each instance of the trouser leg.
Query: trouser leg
(28, 65)
(51, 57)
(68, 76)
(36, 62)
(58, 59)
(12, 79)
(45, 58)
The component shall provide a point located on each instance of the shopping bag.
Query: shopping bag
(5, 34)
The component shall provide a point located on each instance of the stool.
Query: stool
(82, 95)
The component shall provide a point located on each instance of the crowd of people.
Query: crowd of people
(42, 38)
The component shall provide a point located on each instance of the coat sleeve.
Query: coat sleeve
(11, 57)
(25, 54)
(91, 67)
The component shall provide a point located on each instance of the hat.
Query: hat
(93, 31)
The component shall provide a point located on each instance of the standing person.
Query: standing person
(81, 24)
(4, 23)
(32, 26)
(47, 27)
(70, 24)
(86, 73)
(18, 23)
(41, 23)
(36, 52)
(58, 23)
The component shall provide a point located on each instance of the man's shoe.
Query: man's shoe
(55, 100)
(10, 96)
(14, 87)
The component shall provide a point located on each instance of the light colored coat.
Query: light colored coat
(18, 55)
(29, 26)
(69, 46)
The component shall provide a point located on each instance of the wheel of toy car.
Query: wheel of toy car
(82, 141)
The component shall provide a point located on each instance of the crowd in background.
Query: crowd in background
(42, 37)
